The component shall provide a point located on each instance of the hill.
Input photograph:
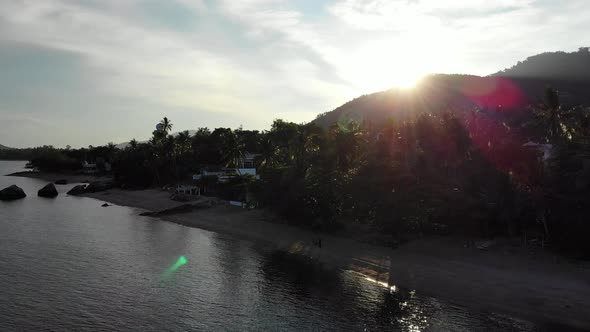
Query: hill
(435, 93)
(552, 65)
(3, 147)
(568, 72)
(511, 89)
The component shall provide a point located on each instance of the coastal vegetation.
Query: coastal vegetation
(459, 154)
(465, 171)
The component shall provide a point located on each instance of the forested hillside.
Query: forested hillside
(514, 89)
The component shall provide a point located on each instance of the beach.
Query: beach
(536, 285)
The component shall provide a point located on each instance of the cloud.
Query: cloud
(480, 35)
(125, 64)
(203, 71)
(405, 15)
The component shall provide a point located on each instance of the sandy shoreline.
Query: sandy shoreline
(541, 287)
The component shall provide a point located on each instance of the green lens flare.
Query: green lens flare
(180, 262)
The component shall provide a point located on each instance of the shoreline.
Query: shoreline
(541, 287)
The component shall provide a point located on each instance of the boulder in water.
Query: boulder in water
(62, 181)
(48, 191)
(77, 190)
(12, 193)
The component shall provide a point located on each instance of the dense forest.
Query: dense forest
(7, 153)
(459, 154)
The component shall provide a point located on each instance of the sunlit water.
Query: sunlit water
(69, 264)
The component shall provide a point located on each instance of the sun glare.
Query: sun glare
(406, 81)
(381, 66)
(384, 75)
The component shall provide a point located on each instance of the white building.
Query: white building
(247, 162)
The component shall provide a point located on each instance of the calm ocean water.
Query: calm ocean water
(67, 264)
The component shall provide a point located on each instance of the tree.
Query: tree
(268, 153)
(349, 147)
(133, 144)
(183, 142)
(182, 149)
(232, 150)
(166, 125)
(552, 113)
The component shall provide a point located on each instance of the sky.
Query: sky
(89, 72)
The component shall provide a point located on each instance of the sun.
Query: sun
(383, 75)
(400, 62)
(379, 66)
(403, 79)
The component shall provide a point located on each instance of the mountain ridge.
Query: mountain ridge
(513, 88)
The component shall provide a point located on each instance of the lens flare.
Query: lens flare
(180, 262)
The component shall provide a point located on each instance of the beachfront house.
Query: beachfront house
(248, 164)
(205, 173)
(248, 160)
(97, 167)
(248, 167)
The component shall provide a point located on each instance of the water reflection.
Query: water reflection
(371, 305)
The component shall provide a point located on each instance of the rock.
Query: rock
(105, 205)
(12, 193)
(97, 186)
(62, 181)
(77, 190)
(48, 191)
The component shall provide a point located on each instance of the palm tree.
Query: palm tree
(347, 142)
(166, 125)
(162, 146)
(268, 152)
(133, 144)
(553, 108)
(183, 141)
(233, 150)
(182, 147)
(550, 118)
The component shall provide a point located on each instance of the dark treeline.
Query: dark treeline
(51, 159)
(17, 154)
(468, 171)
